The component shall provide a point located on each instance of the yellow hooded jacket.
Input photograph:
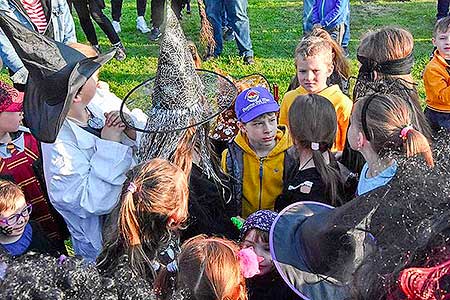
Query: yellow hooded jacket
(262, 178)
(342, 104)
(436, 79)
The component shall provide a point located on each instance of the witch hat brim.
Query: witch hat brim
(56, 73)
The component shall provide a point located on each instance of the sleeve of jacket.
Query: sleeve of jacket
(69, 25)
(83, 184)
(336, 15)
(8, 54)
(223, 161)
(437, 87)
(315, 13)
(343, 117)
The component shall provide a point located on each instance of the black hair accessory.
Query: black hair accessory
(364, 115)
(402, 66)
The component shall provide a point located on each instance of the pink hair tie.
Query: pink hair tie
(404, 132)
(131, 187)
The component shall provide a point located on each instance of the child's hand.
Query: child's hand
(113, 127)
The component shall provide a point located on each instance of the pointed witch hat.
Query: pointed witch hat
(56, 73)
(179, 96)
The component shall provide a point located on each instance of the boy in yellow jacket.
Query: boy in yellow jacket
(436, 78)
(257, 156)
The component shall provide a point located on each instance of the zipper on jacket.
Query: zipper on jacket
(261, 160)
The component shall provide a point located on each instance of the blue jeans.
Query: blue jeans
(437, 120)
(238, 20)
(442, 9)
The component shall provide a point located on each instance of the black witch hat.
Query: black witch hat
(56, 74)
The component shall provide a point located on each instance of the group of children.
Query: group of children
(119, 213)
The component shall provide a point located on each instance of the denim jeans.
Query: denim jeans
(437, 120)
(238, 20)
(442, 9)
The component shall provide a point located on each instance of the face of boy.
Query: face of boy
(442, 43)
(10, 121)
(261, 132)
(313, 71)
(18, 228)
(261, 249)
(88, 90)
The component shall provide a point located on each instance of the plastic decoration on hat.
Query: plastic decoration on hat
(56, 74)
(225, 126)
(11, 100)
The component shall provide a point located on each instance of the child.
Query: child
(17, 236)
(436, 78)
(268, 284)
(316, 176)
(20, 161)
(382, 127)
(153, 205)
(314, 63)
(255, 159)
(208, 269)
(331, 16)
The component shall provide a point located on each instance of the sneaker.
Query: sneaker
(249, 60)
(116, 26)
(141, 25)
(97, 48)
(120, 52)
(155, 34)
(228, 34)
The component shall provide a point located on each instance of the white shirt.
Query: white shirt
(84, 176)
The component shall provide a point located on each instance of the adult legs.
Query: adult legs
(214, 10)
(442, 9)
(157, 11)
(237, 14)
(82, 9)
(116, 10)
(103, 21)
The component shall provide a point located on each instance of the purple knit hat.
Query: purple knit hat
(261, 219)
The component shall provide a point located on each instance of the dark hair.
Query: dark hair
(36, 276)
(385, 116)
(441, 26)
(261, 235)
(312, 119)
(146, 216)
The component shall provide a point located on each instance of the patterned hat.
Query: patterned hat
(261, 219)
(11, 100)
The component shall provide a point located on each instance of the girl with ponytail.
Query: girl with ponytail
(316, 177)
(153, 205)
(381, 129)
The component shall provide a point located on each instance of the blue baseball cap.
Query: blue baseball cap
(254, 102)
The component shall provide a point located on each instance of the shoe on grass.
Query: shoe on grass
(141, 25)
(228, 34)
(120, 52)
(249, 60)
(155, 34)
(116, 26)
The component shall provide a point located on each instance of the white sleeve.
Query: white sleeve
(84, 184)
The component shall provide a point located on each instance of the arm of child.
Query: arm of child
(336, 15)
(343, 117)
(84, 183)
(437, 85)
(223, 161)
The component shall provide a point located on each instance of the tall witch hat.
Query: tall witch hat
(178, 97)
(56, 74)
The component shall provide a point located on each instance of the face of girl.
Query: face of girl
(353, 134)
(261, 249)
(313, 71)
(19, 214)
(10, 121)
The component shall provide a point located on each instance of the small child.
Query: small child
(17, 235)
(314, 63)
(153, 205)
(255, 159)
(316, 176)
(331, 16)
(382, 126)
(20, 161)
(268, 284)
(208, 269)
(436, 78)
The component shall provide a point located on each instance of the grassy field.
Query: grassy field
(276, 27)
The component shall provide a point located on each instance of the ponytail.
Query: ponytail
(414, 143)
(329, 175)
(128, 223)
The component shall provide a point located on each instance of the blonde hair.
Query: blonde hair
(9, 193)
(312, 46)
(86, 50)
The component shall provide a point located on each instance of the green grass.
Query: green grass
(276, 27)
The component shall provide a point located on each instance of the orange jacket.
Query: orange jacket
(436, 79)
(342, 104)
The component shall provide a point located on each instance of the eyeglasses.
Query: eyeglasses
(13, 219)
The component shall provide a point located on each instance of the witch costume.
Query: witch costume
(326, 253)
(178, 101)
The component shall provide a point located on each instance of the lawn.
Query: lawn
(276, 27)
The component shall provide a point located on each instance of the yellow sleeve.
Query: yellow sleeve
(437, 87)
(223, 161)
(284, 110)
(343, 119)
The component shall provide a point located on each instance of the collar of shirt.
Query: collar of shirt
(18, 143)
